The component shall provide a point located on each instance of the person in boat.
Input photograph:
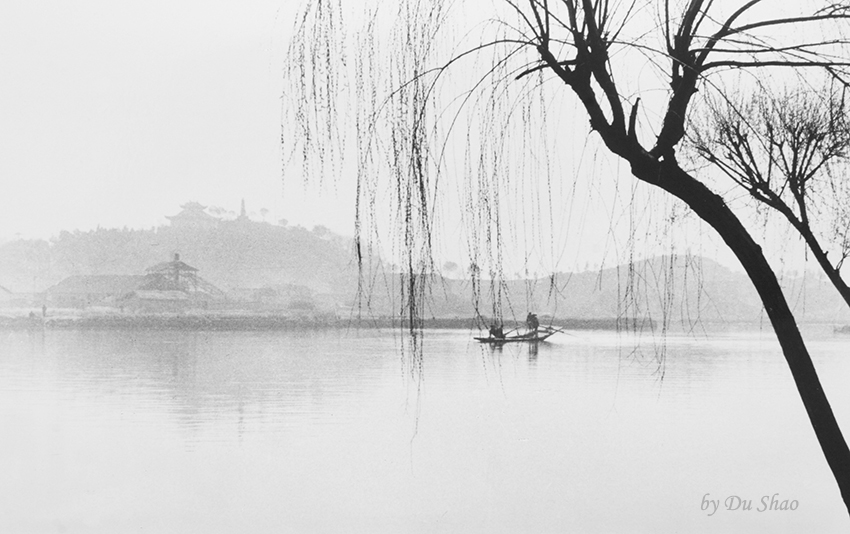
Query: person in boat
(496, 331)
(532, 323)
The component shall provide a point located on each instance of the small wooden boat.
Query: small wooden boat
(543, 333)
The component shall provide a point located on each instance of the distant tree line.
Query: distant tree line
(236, 254)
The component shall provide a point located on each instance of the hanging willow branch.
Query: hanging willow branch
(594, 51)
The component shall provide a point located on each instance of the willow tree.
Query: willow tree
(632, 70)
(789, 150)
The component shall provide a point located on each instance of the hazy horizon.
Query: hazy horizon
(114, 116)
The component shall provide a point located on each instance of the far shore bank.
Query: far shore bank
(251, 321)
(254, 321)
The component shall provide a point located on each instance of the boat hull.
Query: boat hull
(542, 335)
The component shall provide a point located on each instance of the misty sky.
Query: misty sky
(115, 113)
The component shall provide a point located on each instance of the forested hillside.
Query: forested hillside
(680, 291)
(243, 254)
(236, 254)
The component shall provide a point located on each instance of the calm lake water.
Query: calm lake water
(112, 432)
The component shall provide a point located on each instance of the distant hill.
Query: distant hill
(233, 255)
(681, 290)
(239, 255)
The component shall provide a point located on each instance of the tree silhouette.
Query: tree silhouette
(789, 151)
(600, 52)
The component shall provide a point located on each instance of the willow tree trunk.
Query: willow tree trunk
(820, 255)
(801, 224)
(712, 209)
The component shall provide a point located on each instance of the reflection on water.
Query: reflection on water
(326, 432)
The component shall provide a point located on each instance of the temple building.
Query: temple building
(176, 275)
(83, 291)
(166, 287)
(193, 217)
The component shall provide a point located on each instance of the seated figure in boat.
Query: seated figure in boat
(496, 331)
(532, 323)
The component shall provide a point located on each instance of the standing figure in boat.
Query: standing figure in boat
(532, 323)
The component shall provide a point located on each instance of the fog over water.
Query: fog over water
(114, 116)
(326, 432)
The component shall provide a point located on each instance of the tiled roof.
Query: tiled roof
(98, 283)
(192, 216)
(171, 266)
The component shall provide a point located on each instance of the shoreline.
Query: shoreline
(245, 322)
(248, 322)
